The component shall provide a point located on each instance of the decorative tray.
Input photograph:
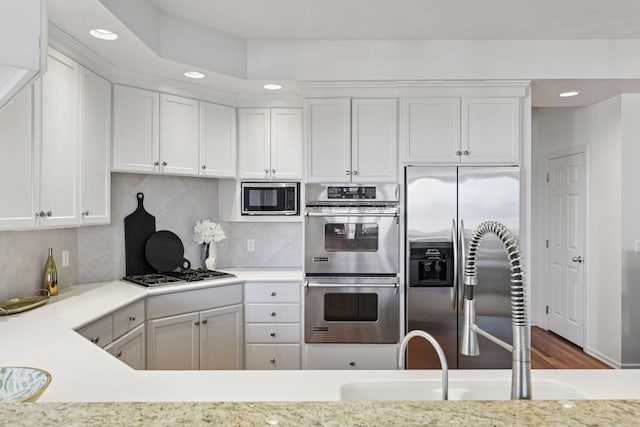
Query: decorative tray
(18, 305)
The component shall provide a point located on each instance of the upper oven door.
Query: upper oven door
(351, 241)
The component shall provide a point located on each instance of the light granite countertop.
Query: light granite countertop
(461, 413)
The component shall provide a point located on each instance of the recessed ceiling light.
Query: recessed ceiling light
(272, 86)
(568, 94)
(103, 34)
(194, 74)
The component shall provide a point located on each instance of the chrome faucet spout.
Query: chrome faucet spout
(436, 346)
(521, 348)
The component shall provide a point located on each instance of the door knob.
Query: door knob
(577, 259)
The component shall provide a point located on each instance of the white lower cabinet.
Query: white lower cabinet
(130, 348)
(184, 331)
(272, 325)
(351, 356)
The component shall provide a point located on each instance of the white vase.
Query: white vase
(212, 257)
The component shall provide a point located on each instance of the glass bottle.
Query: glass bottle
(50, 278)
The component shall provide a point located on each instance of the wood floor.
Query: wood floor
(550, 351)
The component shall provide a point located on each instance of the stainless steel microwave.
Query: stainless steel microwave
(270, 198)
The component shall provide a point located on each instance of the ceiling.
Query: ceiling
(250, 20)
(413, 19)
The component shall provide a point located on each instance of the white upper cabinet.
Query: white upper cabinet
(374, 139)
(460, 130)
(59, 156)
(217, 140)
(136, 139)
(95, 148)
(18, 174)
(491, 130)
(351, 140)
(179, 118)
(328, 139)
(431, 130)
(269, 143)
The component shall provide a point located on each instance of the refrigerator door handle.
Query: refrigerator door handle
(454, 240)
(463, 257)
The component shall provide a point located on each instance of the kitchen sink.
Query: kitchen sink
(458, 390)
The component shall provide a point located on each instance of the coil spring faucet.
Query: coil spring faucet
(521, 348)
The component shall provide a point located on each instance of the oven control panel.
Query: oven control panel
(351, 193)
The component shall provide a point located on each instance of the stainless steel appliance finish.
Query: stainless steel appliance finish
(352, 310)
(351, 230)
(444, 205)
(270, 198)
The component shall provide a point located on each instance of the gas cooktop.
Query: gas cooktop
(175, 277)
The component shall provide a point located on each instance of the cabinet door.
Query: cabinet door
(179, 134)
(136, 114)
(221, 338)
(286, 143)
(217, 140)
(18, 174)
(491, 130)
(328, 139)
(59, 156)
(130, 348)
(254, 132)
(430, 131)
(173, 342)
(374, 140)
(95, 148)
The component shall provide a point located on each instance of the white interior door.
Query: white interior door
(566, 228)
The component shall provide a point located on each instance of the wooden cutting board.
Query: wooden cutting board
(138, 227)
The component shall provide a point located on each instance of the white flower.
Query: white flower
(207, 231)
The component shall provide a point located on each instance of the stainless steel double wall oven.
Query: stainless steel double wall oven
(351, 263)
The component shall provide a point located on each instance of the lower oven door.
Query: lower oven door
(352, 310)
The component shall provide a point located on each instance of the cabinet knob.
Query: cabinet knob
(352, 363)
(118, 355)
(266, 171)
(164, 163)
(458, 153)
(41, 214)
(273, 294)
(466, 152)
(347, 172)
(197, 323)
(204, 167)
(354, 173)
(272, 334)
(49, 213)
(95, 340)
(273, 314)
(85, 213)
(273, 171)
(272, 360)
(132, 318)
(156, 163)
(204, 322)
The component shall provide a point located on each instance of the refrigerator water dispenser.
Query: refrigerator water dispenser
(431, 264)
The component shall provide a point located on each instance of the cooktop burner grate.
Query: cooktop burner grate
(175, 277)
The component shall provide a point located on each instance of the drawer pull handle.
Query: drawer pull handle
(95, 340)
(352, 363)
(132, 318)
(273, 314)
(273, 334)
(273, 294)
(272, 361)
(118, 355)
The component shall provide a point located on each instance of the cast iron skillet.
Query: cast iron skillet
(165, 252)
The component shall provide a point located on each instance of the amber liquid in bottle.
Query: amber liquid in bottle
(50, 278)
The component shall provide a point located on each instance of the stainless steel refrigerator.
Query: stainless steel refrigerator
(444, 205)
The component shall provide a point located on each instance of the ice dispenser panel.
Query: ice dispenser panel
(431, 264)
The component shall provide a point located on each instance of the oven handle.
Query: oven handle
(350, 285)
(347, 214)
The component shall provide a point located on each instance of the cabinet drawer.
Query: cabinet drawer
(272, 332)
(128, 318)
(273, 356)
(99, 332)
(189, 301)
(272, 313)
(272, 292)
(357, 356)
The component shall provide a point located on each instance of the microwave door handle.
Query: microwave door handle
(454, 240)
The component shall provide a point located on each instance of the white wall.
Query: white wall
(597, 127)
